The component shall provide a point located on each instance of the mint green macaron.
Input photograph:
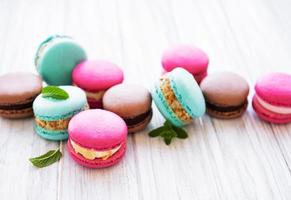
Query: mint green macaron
(56, 57)
(53, 115)
(178, 97)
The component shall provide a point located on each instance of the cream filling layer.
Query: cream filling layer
(276, 109)
(95, 95)
(92, 154)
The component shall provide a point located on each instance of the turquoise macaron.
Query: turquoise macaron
(52, 116)
(178, 97)
(56, 57)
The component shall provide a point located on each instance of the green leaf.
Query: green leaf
(181, 133)
(168, 124)
(157, 132)
(168, 140)
(54, 92)
(46, 159)
(169, 133)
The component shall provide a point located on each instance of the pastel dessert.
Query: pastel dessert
(97, 138)
(95, 77)
(56, 57)
(52, 116)
(225, 94)
(131, 102)
(272, 101)
(17, 92)
(191, 58)
(178, 97)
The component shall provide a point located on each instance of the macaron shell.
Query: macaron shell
(16, 114)
(98, 129)
(164, 108)
(140, 126)
(227, 115)
(187, 92)
(97, 163)
(127, 100)
(19, 86)
(269, 116)
(275, 89)
(51, 135)
(57, 62)
(52, 109)
(225, 89)
(191, 58)
(95, 75)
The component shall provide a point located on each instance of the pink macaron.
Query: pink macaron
(191, 58)
(95, 77)
(272, 101)
(97, 138)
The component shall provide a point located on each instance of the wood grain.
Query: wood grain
(237, 159)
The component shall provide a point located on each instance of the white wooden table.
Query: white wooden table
(236, 159)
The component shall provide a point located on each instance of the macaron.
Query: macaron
(189, 57)
(178, 97)
(225, 94)
(95, 77)
(56, 57)
(52, 115)
(97, 138)
(272, 100)
(131, 102)
(17, 92)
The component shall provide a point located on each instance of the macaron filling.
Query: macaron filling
(61, 124)
(47, 43)
(171, 99)
(273, 108)
(97, 96)
(138, 119)
(223, 108)
(92, 154)
(17, 106)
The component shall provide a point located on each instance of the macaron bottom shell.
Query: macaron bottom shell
(141, 125)
(16, 114)
(270, 116)
(97, 163)
(51, 134)
(227, 115)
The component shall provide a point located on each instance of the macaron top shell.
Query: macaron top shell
(225, 88)
(52, 109)
(95, 75)
(275, 88)
(97, 129)
(191, 58)
(19, 86)
(127, 100)
(56, 57)
(187, 92)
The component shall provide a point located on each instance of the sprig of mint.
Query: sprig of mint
(168, 132)
(54, 92)
(46, 159)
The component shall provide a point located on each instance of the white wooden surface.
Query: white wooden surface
(236, 159)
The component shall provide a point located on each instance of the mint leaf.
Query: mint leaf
(181, 133)
(168, 132)
(157, 132)
(54, 92)
(168, 140)
(46, 159)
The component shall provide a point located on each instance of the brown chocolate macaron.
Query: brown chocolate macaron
(225, 94)
(17, 92)
(132, 103)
